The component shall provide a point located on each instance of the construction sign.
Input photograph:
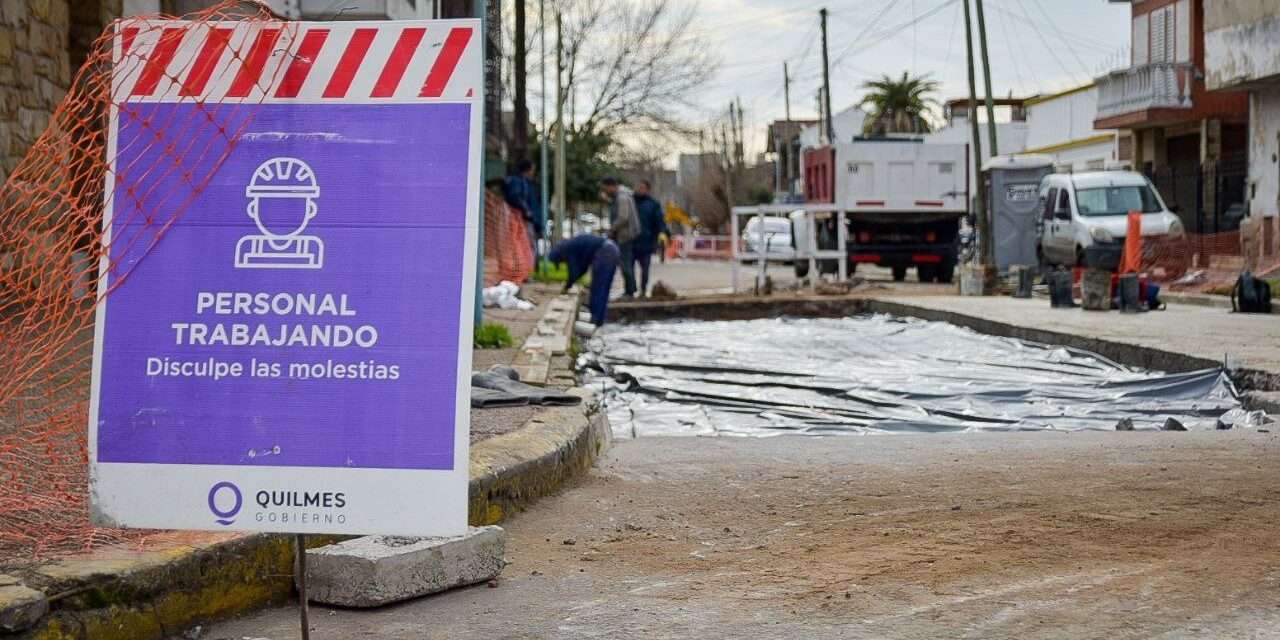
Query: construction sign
(293, 352)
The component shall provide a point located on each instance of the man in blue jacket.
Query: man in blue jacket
(653, 223)
(587, 251)
(521, 192)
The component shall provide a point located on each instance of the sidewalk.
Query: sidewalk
(487, 423)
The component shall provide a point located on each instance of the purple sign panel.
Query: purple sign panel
(298, 311)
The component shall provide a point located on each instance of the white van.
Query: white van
(1085, 217)
(777, 245)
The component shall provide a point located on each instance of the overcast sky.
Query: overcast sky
(1036, 46)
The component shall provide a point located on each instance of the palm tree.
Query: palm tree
(898, 106)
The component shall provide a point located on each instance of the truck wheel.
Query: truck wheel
(926, 273)
(802, 269)
(899, 274)
(947, 273)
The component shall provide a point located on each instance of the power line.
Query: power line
(1092, 43)
(1067, 43)
(951, 41)
(720, 27)
(1013, 57)
(1045, 41)
(895, 30)
(870, 25)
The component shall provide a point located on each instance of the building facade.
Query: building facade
(1191, 141)
(1061, 126)
(783, 141)
(846, 124)
(1242, 53)
(1011, 130)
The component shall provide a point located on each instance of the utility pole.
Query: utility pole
(786, 96)
(739, 150)
(732, 133)
(786, 89)
(826, 80)
(560, 156)
(986, 74)
(777, 161)
(822, 117)
(520, 115)
(980, 219)
(543, 175)
(728, 170)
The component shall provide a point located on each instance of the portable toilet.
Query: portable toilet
(1013, 197)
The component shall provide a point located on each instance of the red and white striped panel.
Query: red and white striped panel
(363, 62)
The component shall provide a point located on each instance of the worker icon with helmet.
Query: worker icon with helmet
(282, 200)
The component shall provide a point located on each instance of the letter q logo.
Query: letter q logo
(223, 493)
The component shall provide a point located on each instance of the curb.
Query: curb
(1202, 300)
(743, 308)
(512, 470)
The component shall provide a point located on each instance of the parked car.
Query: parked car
(1085, 217)
(585, 222)
(777, 244)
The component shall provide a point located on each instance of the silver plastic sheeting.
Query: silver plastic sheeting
(879, 374)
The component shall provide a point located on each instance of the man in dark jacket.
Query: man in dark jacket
(653, 223)
(596, 253)
(521, 193)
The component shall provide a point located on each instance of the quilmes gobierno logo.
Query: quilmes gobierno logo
(222, 494)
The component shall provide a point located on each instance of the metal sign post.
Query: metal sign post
(293, 353)
(304, 614)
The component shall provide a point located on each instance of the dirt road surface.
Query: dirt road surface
(1021, 535)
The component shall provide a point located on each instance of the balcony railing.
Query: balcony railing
(1160, 85)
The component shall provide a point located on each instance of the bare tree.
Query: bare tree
(635, 64)
(631, 69)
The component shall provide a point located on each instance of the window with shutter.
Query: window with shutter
(1141, 39)
(1182, 24)
(1160, 36)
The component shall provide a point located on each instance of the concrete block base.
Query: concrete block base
(20, 607)
(377, 570)
(979, 280)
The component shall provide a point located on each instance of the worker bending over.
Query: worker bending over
(601, 256)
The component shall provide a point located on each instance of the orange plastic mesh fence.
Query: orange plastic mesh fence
(1208, 263)
(508, 254)
(51, 213)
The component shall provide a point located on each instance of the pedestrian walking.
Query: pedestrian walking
(624, 228)
(521, 192)
(653, 226)
(600, 255)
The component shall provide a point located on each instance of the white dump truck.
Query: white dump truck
(902, 199)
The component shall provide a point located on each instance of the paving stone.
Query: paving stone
(376, 570)
(21, 607)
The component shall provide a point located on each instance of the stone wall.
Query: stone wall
(42, 44)
(35, 72)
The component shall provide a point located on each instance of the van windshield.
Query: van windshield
(1116, 201)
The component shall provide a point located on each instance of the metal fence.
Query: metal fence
(1210, 198)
